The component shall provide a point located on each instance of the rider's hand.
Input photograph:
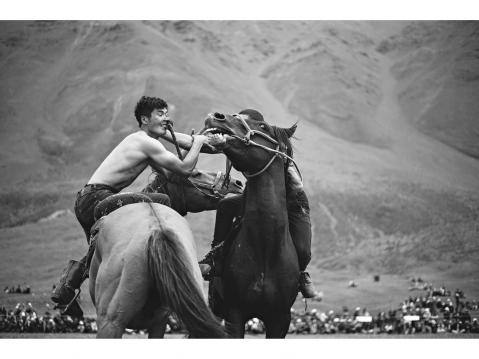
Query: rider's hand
(167, 123)
(207, 146)
(294, 179)
(216, 139)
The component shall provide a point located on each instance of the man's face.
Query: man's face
(158, 121)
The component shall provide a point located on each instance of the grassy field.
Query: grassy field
(36, 253)
(248, 336)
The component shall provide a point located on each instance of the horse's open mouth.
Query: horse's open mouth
(215, 130)
(216, 148)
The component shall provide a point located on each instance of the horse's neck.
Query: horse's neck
(162, 183)
(266, 197)
(175, 190)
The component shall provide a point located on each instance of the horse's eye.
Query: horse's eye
(262, 126)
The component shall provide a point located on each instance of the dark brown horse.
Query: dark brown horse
(197, 193)
(261, 271)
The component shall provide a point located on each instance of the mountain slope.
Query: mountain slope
(387, 137)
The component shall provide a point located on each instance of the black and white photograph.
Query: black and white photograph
(220, 178)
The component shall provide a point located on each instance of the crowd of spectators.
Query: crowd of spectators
(361, 321)
(25, 319)
(437, 311)
(17, 290)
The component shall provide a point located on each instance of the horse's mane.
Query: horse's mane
(158, 182)
(283, 135)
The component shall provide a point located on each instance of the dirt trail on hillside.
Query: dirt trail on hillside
(421, 156)
(334, 160)
(410, 156)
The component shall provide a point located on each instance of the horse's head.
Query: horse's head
(200, 192)
(250, 144)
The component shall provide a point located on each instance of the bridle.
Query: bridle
(246, 139)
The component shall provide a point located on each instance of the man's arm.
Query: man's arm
(160, 157)
(184, 141)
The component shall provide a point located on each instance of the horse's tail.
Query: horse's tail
(170, 268)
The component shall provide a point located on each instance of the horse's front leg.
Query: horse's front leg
(109, 328)
(235, 323)
(277, 325)
(157, 327)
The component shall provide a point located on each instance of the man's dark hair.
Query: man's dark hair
(146, 105)
(253, 114)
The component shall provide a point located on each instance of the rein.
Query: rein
(246, 139)
(173, 136)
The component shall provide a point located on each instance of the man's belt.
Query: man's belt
(97, 186)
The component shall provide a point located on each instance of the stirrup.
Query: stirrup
(213, 259)
(72, 308)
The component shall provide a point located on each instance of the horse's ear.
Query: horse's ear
(290, 131)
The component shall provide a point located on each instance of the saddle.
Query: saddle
(119, 200)
(219, 186)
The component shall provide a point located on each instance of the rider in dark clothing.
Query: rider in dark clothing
(298, 216)
(228, 209)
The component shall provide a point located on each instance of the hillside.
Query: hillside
(387, 138)
(438, 71)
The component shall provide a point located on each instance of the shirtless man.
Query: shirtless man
(120, 168)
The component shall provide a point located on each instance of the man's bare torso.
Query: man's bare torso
(124, 164)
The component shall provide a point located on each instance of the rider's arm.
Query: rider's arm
(160, 157)
(184, 141)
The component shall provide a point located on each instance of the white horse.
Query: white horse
(145, 267)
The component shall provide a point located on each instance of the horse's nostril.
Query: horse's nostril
(239, 183)
(219, 116)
